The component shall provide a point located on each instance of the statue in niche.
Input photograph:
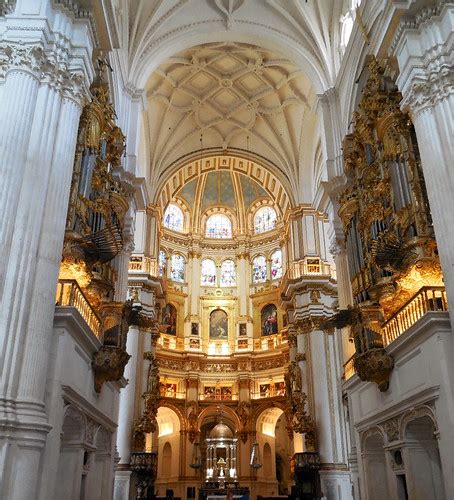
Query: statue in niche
(153, 381)
(269, 320)
(219, 327)
(293, 382)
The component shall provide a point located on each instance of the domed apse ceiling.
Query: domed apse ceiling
(227, 189)
(231, 96)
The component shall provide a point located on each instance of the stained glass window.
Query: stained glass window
(276, 265)
(162, 263)
(208, 275)
(228, 273)
(265, 219)
(173, 217)
(218, 226)
(177, 264)
(259, 269)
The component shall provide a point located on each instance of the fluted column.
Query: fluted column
(424, 47)
(41, 91)
(344, 291)
(128, 395)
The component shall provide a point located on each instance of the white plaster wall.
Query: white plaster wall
(423, 374)
(71, 380)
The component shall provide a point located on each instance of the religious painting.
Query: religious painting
(269, 320)
(169, 320)
(195, 329)
(194, 343)
(243, 329)
(219, 327)
(226, 393)
(168, 390)
(209, 392)
(242, 344)
(279, 388)
(265, 390)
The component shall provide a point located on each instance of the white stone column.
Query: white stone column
(127, 398)
(44, 79)
(424, 47)
(195, 269)
(242, 283)
(326, 394)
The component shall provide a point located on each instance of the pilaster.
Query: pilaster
(44, 76)
(424, 48)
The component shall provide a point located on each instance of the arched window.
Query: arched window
(162, 263)
(228, 273)
(208, 274)
(173, 217)
(177, 265)
(276, 264)
(265, 219)
(218, 226)
(259, 269)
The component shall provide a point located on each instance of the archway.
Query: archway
(375, 467)
(271, 434)
(168, 447)
(423, 470)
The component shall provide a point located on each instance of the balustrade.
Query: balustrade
(426, 300)
(69, 294)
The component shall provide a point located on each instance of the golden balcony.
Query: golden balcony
(69, 294)
(428, 299)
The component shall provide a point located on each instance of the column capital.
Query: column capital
(425, 57)
(45, 67)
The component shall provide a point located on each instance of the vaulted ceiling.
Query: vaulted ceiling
(231, 75)
(229, 96)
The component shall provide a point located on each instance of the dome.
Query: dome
(221, 431)
(222, 188)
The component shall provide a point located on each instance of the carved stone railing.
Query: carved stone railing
(171, 342)
(70, 294)
(427, 299)
(269, 342)
(142, 264)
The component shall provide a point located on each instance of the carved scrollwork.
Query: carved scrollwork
(374, 365)
(108, 365)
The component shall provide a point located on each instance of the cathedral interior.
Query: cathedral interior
(227, 249)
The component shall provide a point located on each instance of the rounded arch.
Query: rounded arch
(254, 208)
(266, 421)
(208, 273)
(211, 214)
(212, 413)
(267, 460)
(264, 219)
(170, 421)
(153, 53)
(373, 431)
(414, 414)
(177, 267)
(266, 174)
(259, 268)
(174, 217)
(74, 425)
